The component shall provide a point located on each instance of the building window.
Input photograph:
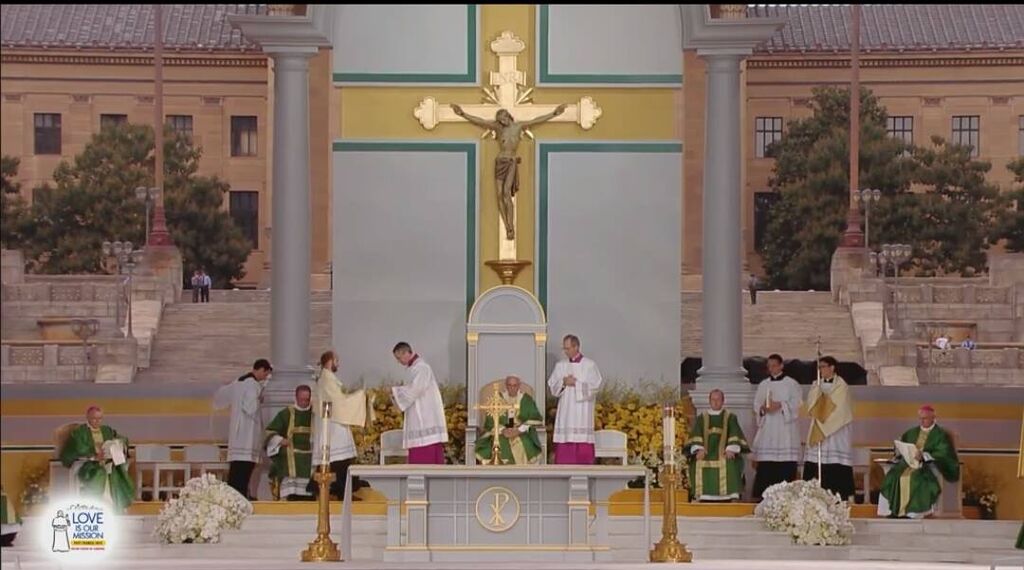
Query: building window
(763, 202)
(1020, 135)
(901, 128)
(243, 136)
(245, 211)
(112, 120)
(966, 131)
(47, 126)
(182, 124)
(766, 131)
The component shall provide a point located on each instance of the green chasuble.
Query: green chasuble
(291, 466)
(1020, 537)
(910, 492)
(716, 477)
(99, 479)
(518, 450)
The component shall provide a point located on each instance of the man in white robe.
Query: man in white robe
(342, 450)
(575, 382)
(777, 443)
(831, 410)
(245, 432)
(424, 430)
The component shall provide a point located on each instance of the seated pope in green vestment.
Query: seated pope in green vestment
(104, 471)
(518, 442)
(290, 448)
(913, 491)
(715, 453)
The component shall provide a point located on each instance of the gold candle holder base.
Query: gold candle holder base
(669, 549)
(507, 269)
(323, 549)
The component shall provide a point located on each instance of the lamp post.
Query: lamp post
(895, 254)
(866, 197)
(149, 195)
(127, 257)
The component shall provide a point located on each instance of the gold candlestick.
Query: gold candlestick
(323, 549)
(669, 549)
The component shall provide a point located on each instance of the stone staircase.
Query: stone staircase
(203, 342)
(275, 541)
(786, 322)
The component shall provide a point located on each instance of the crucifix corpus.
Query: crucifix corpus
(495, 406)
(506, 114)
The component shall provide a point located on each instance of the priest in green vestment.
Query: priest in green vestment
(518, 442)
(911, 487)
(290, 448)
(104, 471)
(715, 452)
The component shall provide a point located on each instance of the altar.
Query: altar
(465, 513)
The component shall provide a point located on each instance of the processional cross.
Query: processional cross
(495, 406)
(507, 113)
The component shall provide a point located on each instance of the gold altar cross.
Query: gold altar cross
(508, 91)
(495, 406)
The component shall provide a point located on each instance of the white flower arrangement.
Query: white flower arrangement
(810, 514)
(205, 507)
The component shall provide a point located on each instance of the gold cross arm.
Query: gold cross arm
(496, 405)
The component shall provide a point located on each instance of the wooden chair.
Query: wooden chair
(611, 443)
(391, 446)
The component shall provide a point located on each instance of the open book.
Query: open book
(908, 451)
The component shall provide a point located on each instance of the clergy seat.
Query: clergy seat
(951, 499)
(206, 458)
(391, 445)
(862, 469)
(611, 443)
(486, 392)
(157, 458)
(57, 470)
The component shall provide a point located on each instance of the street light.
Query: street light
(127, 257)
(149, 195)
(895, 254)
(866, 197)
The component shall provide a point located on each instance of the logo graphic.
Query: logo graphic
(497, 509)
(77, 529)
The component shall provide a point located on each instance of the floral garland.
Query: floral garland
(810, 514)
(205, 507)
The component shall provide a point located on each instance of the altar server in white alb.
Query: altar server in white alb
(245, 432)
(777, 443)
(575, 382)
(425, 431)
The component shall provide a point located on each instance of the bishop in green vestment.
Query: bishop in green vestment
(518, 442)
(104, 472)
(913, 491)
(290, 448)
(715, 452)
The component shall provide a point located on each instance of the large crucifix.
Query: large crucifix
(507, 114)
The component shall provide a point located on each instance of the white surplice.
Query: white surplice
(245, 432)
(838, 447)
(419, 398)
(329, 388)
(574, 422)
(778, 433)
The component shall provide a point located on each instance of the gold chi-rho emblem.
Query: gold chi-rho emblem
(497, 509)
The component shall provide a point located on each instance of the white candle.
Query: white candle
(668, 430)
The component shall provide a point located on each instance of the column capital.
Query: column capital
(702, 32)
(286, 34)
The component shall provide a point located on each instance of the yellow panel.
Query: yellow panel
(944, 410)
(75, 407)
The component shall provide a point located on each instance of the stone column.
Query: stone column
(289, 293)
(722, 307)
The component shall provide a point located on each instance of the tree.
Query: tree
(93, 199)
(1011, 221)
(15, 222)
(812, 175)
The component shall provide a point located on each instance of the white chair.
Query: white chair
(862, 469)
(204, 459)
(611, 443)
(391, 446)
(157, 458)
(59, 473)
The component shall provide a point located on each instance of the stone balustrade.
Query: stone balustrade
(28, 361)
(990, 364)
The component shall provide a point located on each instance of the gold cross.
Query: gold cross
(508, 91)
(495, 406)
